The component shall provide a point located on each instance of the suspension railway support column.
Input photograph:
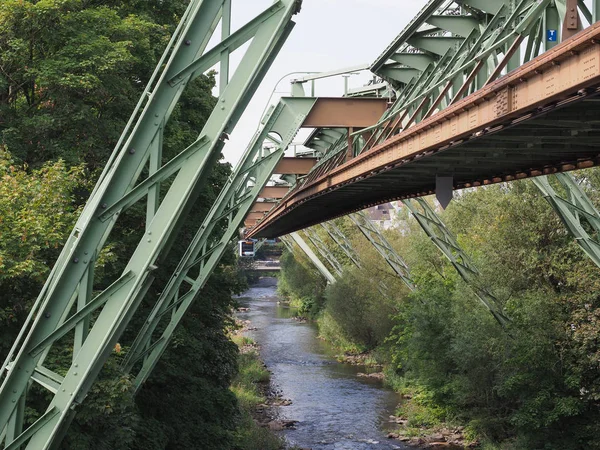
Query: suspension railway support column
(313, 258)
(574, 211)
(342, 241)
(218, 228)
(66, 301)
(443, 239)
(383, 247)
(323, 250)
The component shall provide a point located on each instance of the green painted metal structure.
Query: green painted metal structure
(324, 251)
(576, 210)
(383, 247)
(443, 239)
(300, 242)
(66, 306)
(449, 50)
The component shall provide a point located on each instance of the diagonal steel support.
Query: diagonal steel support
(383, 247)
(342, 241)
(300, 242)
(324, 251)
(210, 243)
(138, 147)
(443, 239)
(576, 210)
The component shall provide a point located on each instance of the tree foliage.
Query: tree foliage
(534, 384)
(71, 72)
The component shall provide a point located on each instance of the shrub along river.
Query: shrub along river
(334, 407)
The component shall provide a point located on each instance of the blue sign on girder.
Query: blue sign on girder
(551, 35)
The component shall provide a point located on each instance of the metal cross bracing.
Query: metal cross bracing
(324, 251)
(344, 243)
(502, 131)
(383, 247)
(576, 210)
(443, 239)
(66, 308)
(452, 48)
(300, 242)
(219, 227)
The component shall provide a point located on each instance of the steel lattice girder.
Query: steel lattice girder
(445, 75)
(68, 285)
(300, 242)
(323, 250)
(342, 241)
(444, 240)
(575, 210)
(383, 247)
(228, 213)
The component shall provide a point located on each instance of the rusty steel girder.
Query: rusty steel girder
(550, 84)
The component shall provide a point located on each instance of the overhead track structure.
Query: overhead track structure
(327, 114)
(454, 119)
(66, 308)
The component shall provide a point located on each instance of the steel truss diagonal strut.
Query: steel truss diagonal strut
(576, 210)
(66, 307)
(443, 239)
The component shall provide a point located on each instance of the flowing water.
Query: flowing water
(335, 408)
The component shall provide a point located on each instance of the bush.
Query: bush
(362, 312)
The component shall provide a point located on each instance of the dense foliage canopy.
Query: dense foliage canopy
(532, 385)
(71, 72)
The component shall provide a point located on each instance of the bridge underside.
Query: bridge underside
(541, 118)
(559, 139)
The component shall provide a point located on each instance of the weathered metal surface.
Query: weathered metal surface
(295, 166)
(345, 112)
(262, 206)
(276, 192)
(255, 216)
(501, 132)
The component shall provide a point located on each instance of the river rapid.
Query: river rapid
(335, 408)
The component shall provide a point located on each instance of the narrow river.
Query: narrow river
(335, 408)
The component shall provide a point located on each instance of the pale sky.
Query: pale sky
(329, 34)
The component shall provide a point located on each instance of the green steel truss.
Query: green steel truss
(300, 242)
(444, 240)
(342, 241)
(219, 227)
(324, 251)
(287, 244)
(68, 307)
(576, 211)
(383, 247)
(448, 51)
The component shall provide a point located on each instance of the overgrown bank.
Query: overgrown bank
(532, 385)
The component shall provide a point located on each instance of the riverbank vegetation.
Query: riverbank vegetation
(71, 73)
(533, 384)
(249, 387)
